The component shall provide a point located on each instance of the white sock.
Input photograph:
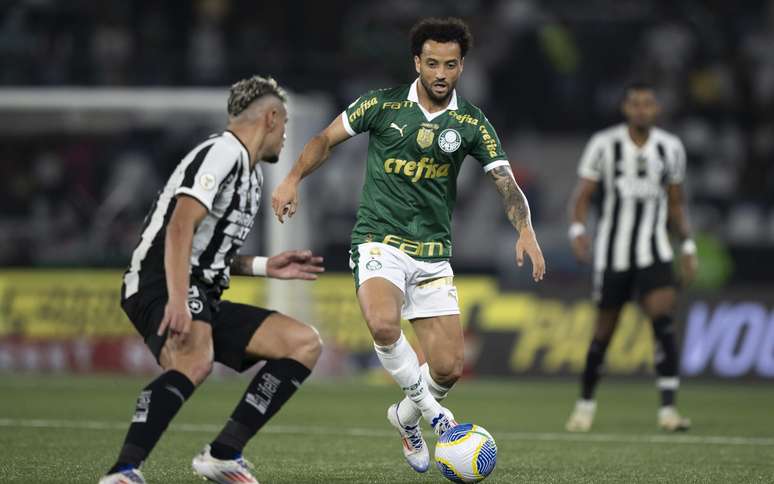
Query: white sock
(400, 361)
(408, 413)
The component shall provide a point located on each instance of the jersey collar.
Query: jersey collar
(629, 141)
(241, 145)
(414, 97)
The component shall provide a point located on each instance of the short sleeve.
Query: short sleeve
(359, 116)
(487, 148)
(209, 167)
(592, 160)
(677, 164)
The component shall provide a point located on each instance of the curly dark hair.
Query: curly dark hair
(244, 92)
(449, 29)
(640, 84)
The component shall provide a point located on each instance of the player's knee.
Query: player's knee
(307, 346)
(200, 370)
(195, 362)
(384, 326)
(196, 368)
(447, 373)
(385, 334)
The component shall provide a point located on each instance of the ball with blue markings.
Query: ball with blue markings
(466, 453)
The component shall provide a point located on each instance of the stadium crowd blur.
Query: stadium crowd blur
(543, 71)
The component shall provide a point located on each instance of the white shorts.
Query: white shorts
(428, 287)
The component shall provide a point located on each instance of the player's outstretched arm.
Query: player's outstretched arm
(578, 212)
(291, 264)
(517, 209)
(678, 223)
(284, 200)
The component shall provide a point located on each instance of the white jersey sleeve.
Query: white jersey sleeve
(205, 173)
(676, 163)
(593, 159)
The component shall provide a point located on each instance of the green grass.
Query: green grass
(67, 429)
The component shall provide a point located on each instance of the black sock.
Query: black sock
(156, 407)
(594, 359)
(666, 359)
(272, 386)
(667, 397)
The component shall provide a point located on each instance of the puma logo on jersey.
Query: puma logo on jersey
(400, 129)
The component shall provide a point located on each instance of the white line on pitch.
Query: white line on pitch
(367, 432)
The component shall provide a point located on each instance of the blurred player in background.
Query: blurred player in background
(420, 133)
(640, 169)
(184, 261)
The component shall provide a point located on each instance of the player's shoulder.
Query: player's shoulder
(397, 93)
(609, 133)
(223, 148)
(227, 144)
(664, 136)
(466, 107)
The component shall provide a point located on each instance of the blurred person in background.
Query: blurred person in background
(172, 291)
(420, 133)
(640, 169)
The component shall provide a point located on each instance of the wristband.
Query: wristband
(688, 247)
(576, 230)
(259, 265)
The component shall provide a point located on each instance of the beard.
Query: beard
(642, 126)
(271, 159)
(437, 99)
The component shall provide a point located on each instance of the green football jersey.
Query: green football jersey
(414, 158)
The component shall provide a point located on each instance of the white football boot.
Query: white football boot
(129, 476)
(443, 422)
(414, 445)
(582, 416)
(234, 471)
(671, 421)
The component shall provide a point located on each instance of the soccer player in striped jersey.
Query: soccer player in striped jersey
(172, 290)
(419, 135)
(640, 170)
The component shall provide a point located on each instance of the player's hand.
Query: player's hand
(284, 200)
(295, 264)
(528, 244)
(689, 265)
(581, 247)
(177, 318)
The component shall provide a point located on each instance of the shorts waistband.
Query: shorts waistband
(415, 248)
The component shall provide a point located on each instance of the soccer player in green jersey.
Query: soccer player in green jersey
(420, 133)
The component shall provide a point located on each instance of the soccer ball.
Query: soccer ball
(466, 453)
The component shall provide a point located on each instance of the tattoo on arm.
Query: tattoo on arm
(516, 206)
(242, 265)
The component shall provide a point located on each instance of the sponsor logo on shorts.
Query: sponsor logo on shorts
(195, 305)
(373, 265)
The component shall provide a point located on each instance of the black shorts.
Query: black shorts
(613, 289)
(233, 324)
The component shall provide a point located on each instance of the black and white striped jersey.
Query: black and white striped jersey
(216, 173)
(632, 227)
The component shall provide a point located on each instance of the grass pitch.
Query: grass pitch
(67, 429)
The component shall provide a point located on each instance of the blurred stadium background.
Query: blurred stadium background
(99, 100)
